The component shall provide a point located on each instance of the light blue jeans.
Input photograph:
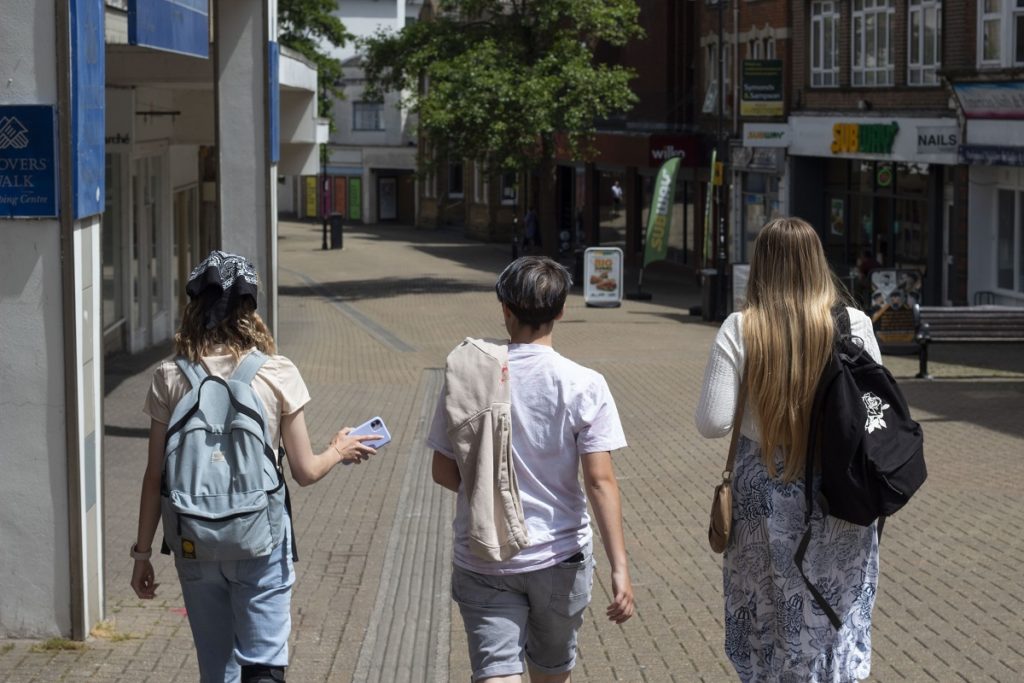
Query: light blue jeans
(240, 612)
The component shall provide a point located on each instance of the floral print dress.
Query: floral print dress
(774, 630)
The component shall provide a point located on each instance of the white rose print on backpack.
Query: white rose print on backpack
(875, 408)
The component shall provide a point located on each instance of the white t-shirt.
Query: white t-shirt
(560, 411)
(717, 407)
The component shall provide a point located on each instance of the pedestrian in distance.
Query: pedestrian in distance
(514, 425)
(616, 196)
(775, 350)
(531, 230)
(221, 492)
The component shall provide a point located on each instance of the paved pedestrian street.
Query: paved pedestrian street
(369, 327)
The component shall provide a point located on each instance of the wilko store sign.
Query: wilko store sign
(28, 162)
(664, 147)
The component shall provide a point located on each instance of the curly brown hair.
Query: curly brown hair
(240, 331)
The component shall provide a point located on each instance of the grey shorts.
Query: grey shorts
(535, 615)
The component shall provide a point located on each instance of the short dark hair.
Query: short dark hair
(534, 288)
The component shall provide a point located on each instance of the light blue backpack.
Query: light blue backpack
(223, 493)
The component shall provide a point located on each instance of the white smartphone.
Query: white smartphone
(375, 425)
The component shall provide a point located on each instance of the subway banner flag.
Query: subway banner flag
(659, 221)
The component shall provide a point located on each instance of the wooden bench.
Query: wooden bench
(965, 324)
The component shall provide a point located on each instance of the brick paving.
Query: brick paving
(369, 327)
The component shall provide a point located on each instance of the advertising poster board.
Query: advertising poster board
(762, 88)
(602, 276)
(893, 295)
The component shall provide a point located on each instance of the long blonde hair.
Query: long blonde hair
(240, 331)
(788, 333)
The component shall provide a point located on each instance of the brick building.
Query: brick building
(628, 150)
(873, 139)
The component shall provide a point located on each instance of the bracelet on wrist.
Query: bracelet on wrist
(138, 555)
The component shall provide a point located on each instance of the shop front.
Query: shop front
(758, 183)
(994, 151)
(879, 192)
(607, 202)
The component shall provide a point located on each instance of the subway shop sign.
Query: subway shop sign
(864, 138)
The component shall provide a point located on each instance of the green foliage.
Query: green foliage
(306, 26)
(500, 77)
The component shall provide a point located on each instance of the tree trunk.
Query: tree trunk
(547, 208)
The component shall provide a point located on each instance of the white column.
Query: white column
(248, 224)
(51, 580)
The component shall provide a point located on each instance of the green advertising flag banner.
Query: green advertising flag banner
(659, 221)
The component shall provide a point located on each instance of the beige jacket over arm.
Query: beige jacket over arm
(478, 408)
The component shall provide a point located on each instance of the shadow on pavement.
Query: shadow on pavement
(979, 403)
(120, 366)
(385, 287)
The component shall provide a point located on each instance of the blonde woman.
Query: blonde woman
(779, 345)
(239, 611)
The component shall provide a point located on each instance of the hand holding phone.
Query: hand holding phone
(374, 426)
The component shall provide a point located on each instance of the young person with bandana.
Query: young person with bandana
(239, 611)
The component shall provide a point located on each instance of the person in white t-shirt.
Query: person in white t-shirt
(563, 417)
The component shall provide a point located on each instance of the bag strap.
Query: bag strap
(737, 423)
(842, 318)
(194, 372)
(250, 365)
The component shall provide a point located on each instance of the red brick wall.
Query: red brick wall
(752, 14)
(895, 97)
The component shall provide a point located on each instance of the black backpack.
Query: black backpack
(870, 451)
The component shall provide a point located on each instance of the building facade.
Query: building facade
(368, 174)
(986, 73)
(144, 134)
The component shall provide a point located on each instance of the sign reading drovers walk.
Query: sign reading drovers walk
(28, 162)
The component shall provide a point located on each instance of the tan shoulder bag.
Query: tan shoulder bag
(721, 504)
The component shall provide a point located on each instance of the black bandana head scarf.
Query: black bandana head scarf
(220, 283)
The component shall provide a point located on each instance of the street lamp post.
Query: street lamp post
(723, 149)
(323, 194)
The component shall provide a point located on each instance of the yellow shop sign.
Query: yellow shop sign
(863, 138)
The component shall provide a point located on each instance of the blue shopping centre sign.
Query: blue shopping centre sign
(181, 26)
(28, 162)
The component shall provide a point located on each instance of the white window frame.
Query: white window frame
(462, 176)
(864, 49)
(514, 198)
(373, 109)
(919, 71)
(824, 12)
(769, 48)
(1003, 16)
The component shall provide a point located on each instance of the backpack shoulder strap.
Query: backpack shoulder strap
(194, 372)
(842, 317)
(250, 365)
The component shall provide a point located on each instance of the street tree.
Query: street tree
(310, 28)
(502, 81)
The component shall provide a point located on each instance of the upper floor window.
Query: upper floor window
(509, 187)
(367, 116)
(711, 78)
(1000, 33)
(925, 37)
(824, 44)
(769, 48)
(872, 42)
